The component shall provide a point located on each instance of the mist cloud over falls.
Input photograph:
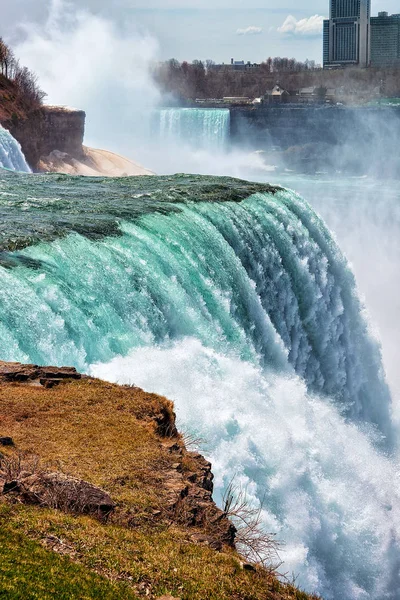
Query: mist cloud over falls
(88, 62)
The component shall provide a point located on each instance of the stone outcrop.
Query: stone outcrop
(34, 374)
(317, 137)
(52, 142)
(186, 486)
(190, 486)
(47, 129)
(56, 490)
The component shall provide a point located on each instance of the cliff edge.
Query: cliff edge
(52, 138)
(100, 497)
(47, 129)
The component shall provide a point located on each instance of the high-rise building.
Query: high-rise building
(385, 40)
(347, 33)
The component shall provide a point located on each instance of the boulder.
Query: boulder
(56, 490)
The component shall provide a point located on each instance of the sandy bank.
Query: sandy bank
(93, 162)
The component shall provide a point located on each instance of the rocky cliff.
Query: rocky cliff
(52, 141)
(47, 129)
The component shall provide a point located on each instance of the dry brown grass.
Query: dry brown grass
(95, 431)
(110, 436)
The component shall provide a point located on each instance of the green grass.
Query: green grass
(30, 572)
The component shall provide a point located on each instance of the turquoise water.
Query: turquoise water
(261, 278)
(208, 127)
(234, 300)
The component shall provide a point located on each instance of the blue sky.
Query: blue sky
(216, 29)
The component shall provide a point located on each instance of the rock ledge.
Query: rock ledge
(33, 374)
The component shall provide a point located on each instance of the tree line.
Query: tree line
(25, 82)
(207, 80)
(183, 81)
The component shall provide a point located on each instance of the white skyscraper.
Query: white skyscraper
(347, 33)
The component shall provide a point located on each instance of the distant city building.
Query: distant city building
(236, 65)
(316, 95)
(309, 95)
(385, 40)
(241, 65)
(347, 34)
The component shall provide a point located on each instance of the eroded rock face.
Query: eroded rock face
(191, 500)
(56, 490)
(50, 128)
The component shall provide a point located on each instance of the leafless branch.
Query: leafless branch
(253, 541)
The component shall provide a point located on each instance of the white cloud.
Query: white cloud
(307, 27)
(250, 31)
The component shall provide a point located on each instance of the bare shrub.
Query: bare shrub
(191, 440)
(11, 467)
(252, 540)
(26, 82)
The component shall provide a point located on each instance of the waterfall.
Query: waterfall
(207, 129)
(11, 156)
(261, 278)
(246, 314)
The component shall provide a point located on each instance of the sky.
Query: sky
(249, 30)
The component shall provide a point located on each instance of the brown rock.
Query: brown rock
(206, 540)
(47, 376)
(50, 128)
(56, 490)
(247, 567)
(193, 506)
(166, 426)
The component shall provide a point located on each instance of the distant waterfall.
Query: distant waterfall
(11, 156)
(207, 129)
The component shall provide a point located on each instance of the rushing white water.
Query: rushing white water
(330, 497)
(247, 316)
(11, 156)
(207, 129)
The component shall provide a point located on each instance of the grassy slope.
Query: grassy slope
(29, 572)
(107, 435)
